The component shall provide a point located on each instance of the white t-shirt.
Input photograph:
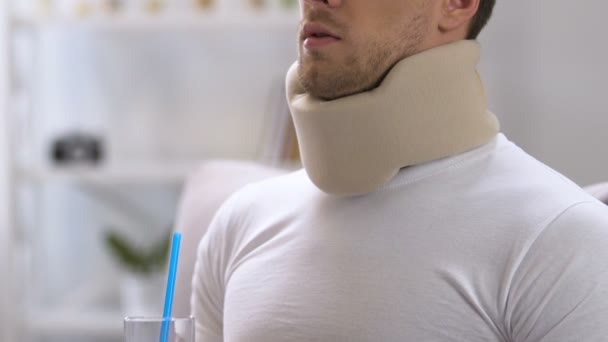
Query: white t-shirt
(490, 245)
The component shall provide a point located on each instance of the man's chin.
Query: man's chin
(322, 90)
(316, 89)
(325, 81)
(327, 92)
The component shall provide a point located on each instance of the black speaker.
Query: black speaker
(77, 148)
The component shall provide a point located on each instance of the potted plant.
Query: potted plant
(141, 286)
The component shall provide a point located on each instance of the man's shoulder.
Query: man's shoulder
(515, 177)
(581, 223)
(561, 279)
(267, 198)
(272, 191)
(249, 216)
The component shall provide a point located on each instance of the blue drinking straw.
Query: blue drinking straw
(164, 333)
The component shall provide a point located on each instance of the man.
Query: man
(414, 219)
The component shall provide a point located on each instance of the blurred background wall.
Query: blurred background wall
(544, 65)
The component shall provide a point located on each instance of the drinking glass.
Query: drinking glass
(148, 329)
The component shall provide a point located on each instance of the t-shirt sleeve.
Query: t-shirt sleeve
(560, 290)
(208, 281)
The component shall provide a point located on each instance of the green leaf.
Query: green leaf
(135, 260)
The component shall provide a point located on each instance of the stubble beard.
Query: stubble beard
(363, 69)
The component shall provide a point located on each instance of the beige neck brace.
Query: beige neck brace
(430, 106)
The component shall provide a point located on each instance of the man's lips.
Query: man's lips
(316, 35)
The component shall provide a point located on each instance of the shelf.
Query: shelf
(108, 324)
(258, 22)
(109, 175)
(145, 174)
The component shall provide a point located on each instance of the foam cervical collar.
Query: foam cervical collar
(430, 106)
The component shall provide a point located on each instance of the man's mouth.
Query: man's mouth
(316, 36)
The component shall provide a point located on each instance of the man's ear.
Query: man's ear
(457, 14)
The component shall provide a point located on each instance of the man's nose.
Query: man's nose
(329, 3)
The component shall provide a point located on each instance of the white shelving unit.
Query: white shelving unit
(103, 323)
(142, 174)
(257, 22)
(8, 321)
(58, 323)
